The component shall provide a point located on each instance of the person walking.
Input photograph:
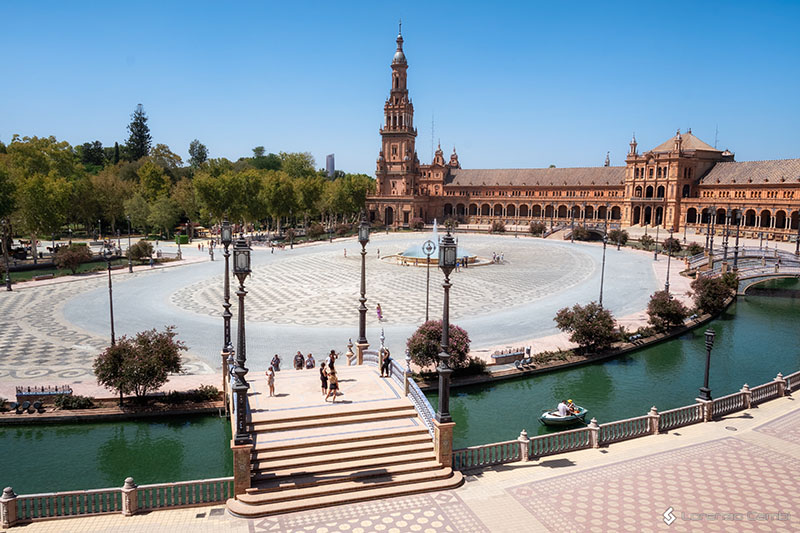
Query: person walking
(386, 364)
(333, 385)
(299, 361)
(271, 381)
(310, 363)
(379, 311)
(323, 377)
(276, 363)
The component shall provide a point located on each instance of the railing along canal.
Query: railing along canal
(595, 435)
(128, 500)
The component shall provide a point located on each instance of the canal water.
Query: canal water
(61, 457)
(757, 337)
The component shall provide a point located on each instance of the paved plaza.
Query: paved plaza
(731, 475)
(307, 299)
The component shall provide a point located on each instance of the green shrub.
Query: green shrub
(581, 234)
(498, 226)
(618, 237)
(140, 251)
(204, 393)
(694, 248)
(537, 228)
(73, 401)
(417, 223)
(315, 230)
(475, 367)
(342, 229)
(646, 241)
(549, 356)
(450, 223)
(71, 257)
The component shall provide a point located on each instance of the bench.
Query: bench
(43, 277)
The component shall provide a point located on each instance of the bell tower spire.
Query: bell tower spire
(398, 164)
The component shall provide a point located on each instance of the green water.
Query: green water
(755, 339)
(51, 458)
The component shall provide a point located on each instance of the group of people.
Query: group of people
(498, 258)
(327, 372)
(567, 408)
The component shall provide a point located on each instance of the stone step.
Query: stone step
(331, 410)
(368, 492)
(349, 475)
(350, 418)
(343, 466)
(303, 461)
(366, 446)
(365, 437)
(345, 486)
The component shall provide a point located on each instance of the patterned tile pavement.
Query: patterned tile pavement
(786, 428)
(721, 477)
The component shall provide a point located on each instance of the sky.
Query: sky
(509, 84)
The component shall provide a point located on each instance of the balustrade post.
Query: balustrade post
(443, 442)
(130, 497)
(747, 394)
(523, 445)
(781, 384)
(241, 466)
(707, 408)
(594, 433)
(655, 418)
(8, 508)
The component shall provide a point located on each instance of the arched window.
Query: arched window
(766, 219)
(660, 192)
(648, 192)
(686, 191)
(691, 216)
(638, 192)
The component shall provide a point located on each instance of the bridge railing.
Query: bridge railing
(594, 435)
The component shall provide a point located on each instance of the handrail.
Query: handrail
(562, 441)
(682, 416)
(793, 381)
(486, 455)
(630, 428)
(184, 493)
(728, 404)
(422, 405)
(764, 392)
(31, 507)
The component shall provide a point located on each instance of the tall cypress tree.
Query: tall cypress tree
(138, 144)
(116, 153)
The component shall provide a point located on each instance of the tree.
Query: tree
(665, 311)
(110, 192)
(137, 208)
(265, 162)
(92, 155)
(153, 180)
(163, 214)
(672, 245)
(425, 344)
(165, 158)
(618, 237)
(589, 326)
(140, 251)
(7, 194)
(198, 153)
(115, 160)
(43, 205)
(217, 190)
(72, 256)
(139, 139)
(497, 226)
(710, 294)
(297, 164)
(537, 228)
(646, 241)
(278, 194)
(141, 364)
(184, 196)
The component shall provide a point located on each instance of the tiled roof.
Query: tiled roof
(774, 171)
(529, 177)
(689, 142)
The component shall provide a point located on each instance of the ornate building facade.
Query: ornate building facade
(681, 184)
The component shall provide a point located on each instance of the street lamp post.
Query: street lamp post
(552, 215)
(119, 241)
(5, 253)
(713, 231)
(428, 248)
(108, 255)
(726, 236)
(226, 236)
(708, 229)
(705, 392)
(603, 268)
(448, 253)
(669, 259)
(655, 245)
(130, 262)
(363, 239)
(736, 245)
(241, 267)
(178, 240)
(797, 241)
(572, 223)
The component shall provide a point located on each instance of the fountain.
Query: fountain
(415, 254)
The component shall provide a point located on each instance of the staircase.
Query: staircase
(339, 453)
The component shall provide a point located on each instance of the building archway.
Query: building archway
(794, 220)
(750, 218)
(686, 191)
(602, 212)
(473, 210)
(511, 210)
(460, 210)
(524, 211)
(549, 211)
(659, 215)
(637, 215)
(648, 192)
(448, 210)
(485, 210)
(497, 210)
(766, 218)
(562, 211)
(589, 212)
(637, 192)
(388, 216)
(575, 212)
(691, 216)
(648, 215)
(660, 193)
(616, 213)
(720, 218)
(780, 219)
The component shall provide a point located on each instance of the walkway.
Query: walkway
(730, 475)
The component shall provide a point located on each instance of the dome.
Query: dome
(399, 57)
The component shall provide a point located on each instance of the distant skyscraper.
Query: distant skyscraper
(330, 166)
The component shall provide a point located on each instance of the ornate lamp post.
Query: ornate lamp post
(726, 235)
(552, 215)
(705, 392)
(428, 247)
(669, 259)
(448, 254)
(363, 238)
(797, 241)
(655, 245)
(736, 245)
(572, 223)
(108, 254)
(708, 228)
(241, 267)
(226, 236)
(130, 262)
(5, 253)
(178, 240)
(603, 268)
(713, 231)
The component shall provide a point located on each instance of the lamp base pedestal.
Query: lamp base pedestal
(360, 352)
(443, 442)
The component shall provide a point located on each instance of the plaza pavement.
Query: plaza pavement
(735, 474)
